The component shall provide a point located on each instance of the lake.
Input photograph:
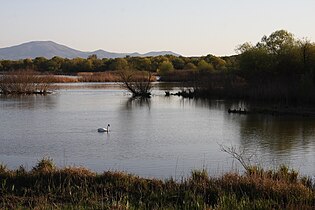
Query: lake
(160, 137)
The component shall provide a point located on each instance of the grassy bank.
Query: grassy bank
(46, 186)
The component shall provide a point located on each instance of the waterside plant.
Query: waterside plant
(46, 186)
(25, 82)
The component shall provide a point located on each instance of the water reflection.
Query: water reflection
(273, 140)
(277, 134)
(28, 101)
(223, 105)
(138, 102)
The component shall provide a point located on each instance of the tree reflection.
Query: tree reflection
(138, 102)
(279, 135)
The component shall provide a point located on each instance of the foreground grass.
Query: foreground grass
(46, 186)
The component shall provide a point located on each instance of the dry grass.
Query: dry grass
(98, 77)
(47, 186)
(25, 82)
(109, 76)
(63, 79)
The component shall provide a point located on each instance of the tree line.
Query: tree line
(161, 64)
(277, 55)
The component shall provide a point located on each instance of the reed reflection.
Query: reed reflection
(28, 101)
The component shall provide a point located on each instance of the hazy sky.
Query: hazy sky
(188, 27)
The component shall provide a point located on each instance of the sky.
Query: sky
(187, 27)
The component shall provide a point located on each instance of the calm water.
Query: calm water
(159, 137)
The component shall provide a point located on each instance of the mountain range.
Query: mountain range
(49, 49)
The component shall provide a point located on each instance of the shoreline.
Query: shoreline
(46, 186)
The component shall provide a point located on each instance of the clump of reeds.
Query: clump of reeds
(98, 77)
(47, 186)
(63, 79)
(109, 76)
(25, 82)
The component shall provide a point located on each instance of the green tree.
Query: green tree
(307, 52)
(203, 66)
(255, 59)
(28, 63)
(276, 55)
(119, 64)
(54, 64)
(190, 66)
(139, 63)
(92, 57)
(157, 61)
(278, 42)
(165, 67)
(217, 63)
(40, 63)
(178, 63)
(6, 65)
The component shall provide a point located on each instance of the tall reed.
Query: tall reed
(25, 82)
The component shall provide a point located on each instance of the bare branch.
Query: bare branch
(240, 155)
(139, 84)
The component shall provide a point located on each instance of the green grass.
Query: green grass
(47, 187)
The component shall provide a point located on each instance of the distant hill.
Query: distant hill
(49, 49)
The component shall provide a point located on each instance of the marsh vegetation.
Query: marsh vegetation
(25, 82)
(47, 186)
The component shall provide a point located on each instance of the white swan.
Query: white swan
(101, 130)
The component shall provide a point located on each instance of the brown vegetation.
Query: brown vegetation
(47, 186)
(98, 77)
(63, 79)
(25, 82)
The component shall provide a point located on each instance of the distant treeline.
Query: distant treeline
(280, 67)
(165, 63)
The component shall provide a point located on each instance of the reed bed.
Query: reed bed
(46, 186)
(63, 79)
(98, 77)
(109, 76)
(25, 82)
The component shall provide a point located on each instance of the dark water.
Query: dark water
(158, 137)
